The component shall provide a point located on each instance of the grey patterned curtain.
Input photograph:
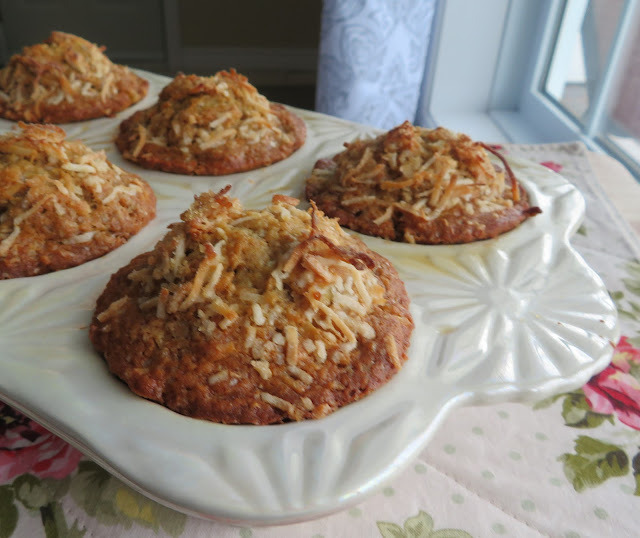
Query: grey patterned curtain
(372, 59)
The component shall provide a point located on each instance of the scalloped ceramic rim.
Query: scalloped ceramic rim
(518, 317)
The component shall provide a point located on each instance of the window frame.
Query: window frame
(489, 84)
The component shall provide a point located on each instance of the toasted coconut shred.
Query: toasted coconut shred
(418, 174)
(282, 280)
(425, 172)
(235, 111)
(64, 79)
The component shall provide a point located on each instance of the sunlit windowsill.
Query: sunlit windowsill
(492, 91)
(478, 126)
(498, 126)
(630, 146)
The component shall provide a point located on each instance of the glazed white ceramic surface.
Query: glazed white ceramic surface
(518, 317)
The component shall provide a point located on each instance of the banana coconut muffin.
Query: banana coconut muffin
(418, 185)
(254, 317)
(66, 79)
(210, 126)
(62, 204)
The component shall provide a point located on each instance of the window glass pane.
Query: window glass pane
(583, 46)
(593, 73)
(621, 125)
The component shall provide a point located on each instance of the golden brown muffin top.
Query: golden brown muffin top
(53, 187)
(426, 172)
(280, 291)
(211, 112)
(65, 69)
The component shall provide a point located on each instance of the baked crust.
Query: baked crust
(254, 317)
(66, 79)
(418, 185)
(210, 126)
(62, 204)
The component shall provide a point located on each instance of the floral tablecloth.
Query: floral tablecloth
(568, 466)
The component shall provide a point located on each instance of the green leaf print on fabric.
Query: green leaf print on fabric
(41, 496)
(636, 472)
(611, 396)
(417, 526)
(34, 492)
(111, 502)
(629, 308)
(420, 526)
(593, 463)
(576, 411)
(8, 512)
(87, 489)
(578, 414)
(390, 530)
(55, 524)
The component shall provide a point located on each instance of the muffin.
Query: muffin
(62, 204)
(210, 126)
(418, 185)
(66, 79)
(254, 317)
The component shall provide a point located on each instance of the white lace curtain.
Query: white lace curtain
(372, 59)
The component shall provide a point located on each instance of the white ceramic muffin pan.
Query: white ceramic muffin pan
(518, 317)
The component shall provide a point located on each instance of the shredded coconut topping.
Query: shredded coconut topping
(51, 183)
(207, 113)
(422, 172)
(223, 263)
(65, 68)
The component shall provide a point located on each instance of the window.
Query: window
(594, 73)
(544, 71)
